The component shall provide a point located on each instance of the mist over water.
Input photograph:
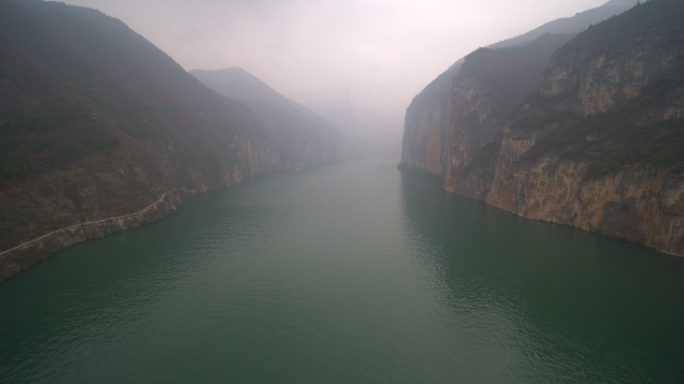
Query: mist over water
(346, 273)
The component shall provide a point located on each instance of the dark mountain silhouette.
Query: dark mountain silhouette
(303, 136)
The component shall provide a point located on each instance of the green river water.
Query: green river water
(352, 273)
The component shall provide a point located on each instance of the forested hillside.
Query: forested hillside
(97, 123)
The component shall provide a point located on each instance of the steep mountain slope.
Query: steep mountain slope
(574, 24)
(597, 144)
(490, 83)
(428, 116)
(97, 123)
(303, 136)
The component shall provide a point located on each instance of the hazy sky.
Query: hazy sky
(356, 62)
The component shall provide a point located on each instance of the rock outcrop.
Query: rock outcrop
(595, 143)
(429, 116)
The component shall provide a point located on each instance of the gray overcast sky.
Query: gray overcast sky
(357, 62)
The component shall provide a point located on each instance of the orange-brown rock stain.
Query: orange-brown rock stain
(651, 199)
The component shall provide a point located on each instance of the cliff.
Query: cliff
(303, 137)
(100, 132)
(429, 115)
(596, 144)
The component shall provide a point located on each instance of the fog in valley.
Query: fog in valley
(356, 63)
(342, 191)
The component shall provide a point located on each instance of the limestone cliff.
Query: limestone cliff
(491, 83)
(597, 145)
(425, 130)
(429, 116)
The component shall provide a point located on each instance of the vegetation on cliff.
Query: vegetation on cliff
(592, 140)
(96, 122)
(429, 117)
(573, 24)
(491, 84)
(509, 73)
(643, 125)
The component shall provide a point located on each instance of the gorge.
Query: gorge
(276, 252)
(346, 273)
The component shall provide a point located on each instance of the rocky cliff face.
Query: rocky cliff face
(425, 128)
(641, 204)
(492, 82)
(100, 132)
(428, 118)
(597, 145)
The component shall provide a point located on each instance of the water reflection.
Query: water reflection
(345, 274)
(541, 302)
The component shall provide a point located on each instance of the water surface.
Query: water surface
(352, 273)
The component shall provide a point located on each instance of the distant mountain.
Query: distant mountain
(303, 136)
(97, 123)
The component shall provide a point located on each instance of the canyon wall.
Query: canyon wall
(596, 140)
(428, 118)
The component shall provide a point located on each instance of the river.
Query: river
(349, 273)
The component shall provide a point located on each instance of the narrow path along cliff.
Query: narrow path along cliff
(20, 246)
(88, 137)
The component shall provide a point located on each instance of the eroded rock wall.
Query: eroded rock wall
(563, 152)
(630, 82)
(643, 204)
(426, 128)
